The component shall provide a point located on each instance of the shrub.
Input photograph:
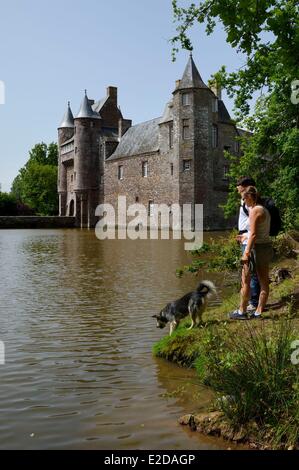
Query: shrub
(8, 204)
(255, 379)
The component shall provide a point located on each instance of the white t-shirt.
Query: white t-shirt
(243, 222)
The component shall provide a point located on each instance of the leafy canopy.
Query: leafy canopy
(266, 32)
(36, 183)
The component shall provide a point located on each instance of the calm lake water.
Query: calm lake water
(75, 317)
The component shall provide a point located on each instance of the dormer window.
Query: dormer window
(186, 99)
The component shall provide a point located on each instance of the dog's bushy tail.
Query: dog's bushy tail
(209, 285)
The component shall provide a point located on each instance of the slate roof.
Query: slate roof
(86, 110)
(223, 113)
(68, 118)
(142, 138)
(110, 134)
(191, 77)
(97, 106)
(244, 132)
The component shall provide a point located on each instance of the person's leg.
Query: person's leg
(245, 288)
(254, 289)
(264, 254)
(254, 285)
(263, 275)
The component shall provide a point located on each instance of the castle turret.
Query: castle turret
(65, 133)
(86, 169)
(193, 126)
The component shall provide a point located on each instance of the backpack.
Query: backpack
(276, 222)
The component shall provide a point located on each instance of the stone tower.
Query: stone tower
(86, 163)
(65, 133)
(198, 143)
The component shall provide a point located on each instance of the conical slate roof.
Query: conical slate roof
(68, 118)
(191, 77)
(86, 110)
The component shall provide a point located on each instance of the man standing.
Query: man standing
(243, 226)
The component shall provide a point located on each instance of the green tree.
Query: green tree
(44, 154)
(36, 183)
(266, 32)
(8, 204)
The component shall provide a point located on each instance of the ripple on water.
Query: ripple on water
(76, 321)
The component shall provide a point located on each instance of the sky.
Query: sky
(50, 51)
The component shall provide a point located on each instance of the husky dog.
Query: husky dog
(193, 303)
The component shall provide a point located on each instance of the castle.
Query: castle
(176, 158)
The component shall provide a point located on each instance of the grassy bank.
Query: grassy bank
(248, 365)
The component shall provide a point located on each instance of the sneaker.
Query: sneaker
(251, 308)
(237, 315)
(255, 315)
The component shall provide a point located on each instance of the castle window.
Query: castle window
(171, 135)
(186, 99)
(136, 199)
(75, 176)
(214, 136)
(225, 172)
(186, 129)
(120, 172)
(186, 165)
(237, 146)
(72, 178)
(67, 148)
(171, 169)
(215, 105)
(144, 169)
(150, 208)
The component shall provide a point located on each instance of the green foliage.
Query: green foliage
(267, 34)
(181, 347)
(255, 378)
(36, 183)
(219, 255)
(8, 204)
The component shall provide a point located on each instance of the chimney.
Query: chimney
(217, 90)
(123, 126)
(112, 93)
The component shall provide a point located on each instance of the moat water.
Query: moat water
(75, 318)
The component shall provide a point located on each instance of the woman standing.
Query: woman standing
(258, 251)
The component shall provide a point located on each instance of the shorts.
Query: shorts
(263, 254)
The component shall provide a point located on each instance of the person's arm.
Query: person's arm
(254, 218)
